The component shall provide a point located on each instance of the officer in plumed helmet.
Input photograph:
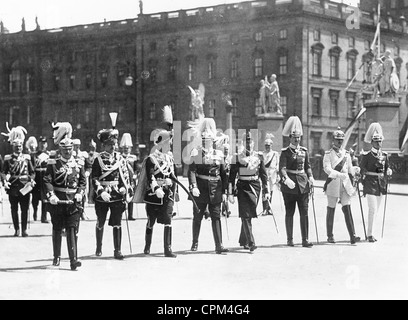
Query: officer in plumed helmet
(376, 173)
(296, 180)
(338, 165)
(249, 171)
(65, 183)
(111, 178)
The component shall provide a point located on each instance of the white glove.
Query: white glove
(357, 170)
(312, 181)
(231, 199)
(54, 200)
(159, 193)
(78, 197)
(343, 176)
(389, 172)
(196, 193)
(267, 197)
(87, 174)
(6, 185)
(289, 182)
(105, 196)
(122, 190)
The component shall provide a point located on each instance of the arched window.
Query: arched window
(334, 55)
(234, 65)
(283, 61)
(211, 66)
(351, 63)
(15, 77)
(191, 67)
(317, 51)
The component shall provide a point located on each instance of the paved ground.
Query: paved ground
(274, 271)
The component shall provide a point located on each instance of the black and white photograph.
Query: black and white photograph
(203, 155)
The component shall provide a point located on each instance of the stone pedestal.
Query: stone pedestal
(270, 123)
(385, 111)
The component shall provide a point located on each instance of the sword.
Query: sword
(314, 212)
(385, 209)
(361, 208)
(273, 216)
(224, 207)
(127, 227)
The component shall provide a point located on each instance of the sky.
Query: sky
(62, 13)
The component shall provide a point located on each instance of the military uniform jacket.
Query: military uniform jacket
(330, 161)
(132, 162)
(65, 178)
(374, 165)
(39, 160)
(297, 165)
(207, 172)
(110, 173)
(159, 168)
(20, 171)
(271, 160)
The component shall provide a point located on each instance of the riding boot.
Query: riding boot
(247, 228)
(289, 230)
(99, 237)
(56, 245)
(304, 228)
(72, 248)
(167, 242)
(196, 234)
(130, 212)
(330, 224)
(217, 233)
(35, 214)
(43, 213)
(350, 225)
(148, 240)
(117, 243)
(243, 240)
(24, 222)
(16, 223)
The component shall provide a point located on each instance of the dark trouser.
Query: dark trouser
(24, 202)
(215, 214)
(265, 204)
(246, 237)
(35, 202)
(130, 210)
(302, 201)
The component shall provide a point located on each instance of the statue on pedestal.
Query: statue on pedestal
(270, 96)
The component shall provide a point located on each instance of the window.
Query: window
(351, 107)
(29, 108)
(234, 67)
(152, 111)
(367, 45)
(190, 43)
(317, 59)
(120, 78)
(103, 113)
(14, 118)
(234, 102)
(351, 66)
(172, 69)
(87, 114)
(334, 103)
(283, 64)
(104, 79)
(57, 82)
(316, 102)
(258, 67)
(334, 62)
(334, 38)
(316, 35)
(88, 80)
(30, 84)
(317, 142)
(352, 42)
(284, 104)
(258, 36)
(14, 81)
(283, 34)
(153, 73)
(190, 72)
(211, 108)
(211, 70)
(72, 81)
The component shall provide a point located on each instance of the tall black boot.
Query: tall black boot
(304, 228)
(43, 213)
(330, 224)
(167, 242)
(56, 246)
(350, 225)
(289, 230)
(24, 222)
(99, 237)
(72, 248)
(148, 240)
(247, 229)
(196, 234)
(16, 222)
(117, 243)
(130, 212)
(217, 233)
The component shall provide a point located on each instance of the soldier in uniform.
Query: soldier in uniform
(18, 179)
(271, 160)
(126, 146)
(338, 165)
(65, 182)
(376, 174)
(248, 168)
(296, 180)
(40, 160)
(92, 154)
(111, 181)
(80, 157)
(208, 182)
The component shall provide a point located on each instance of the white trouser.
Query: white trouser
(345, 199)
(374, 203)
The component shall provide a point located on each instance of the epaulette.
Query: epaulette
(51, 161)
(284, 149)
(386, 153)
(364, 153)
(7, 157)
(27, 157)
(328, 152)
(303, 148)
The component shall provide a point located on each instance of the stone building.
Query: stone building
(135, 67)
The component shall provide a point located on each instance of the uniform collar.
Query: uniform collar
(376, 151)
(67, 160)
(294, 147)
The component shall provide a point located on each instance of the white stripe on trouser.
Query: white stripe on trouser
(374, 203)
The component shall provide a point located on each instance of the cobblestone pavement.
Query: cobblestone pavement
(274, 271)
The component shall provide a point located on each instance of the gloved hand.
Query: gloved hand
(78, 197)
(267, 197)
(357, 170)
(224, 198)
(389, 172)
(54, 200)
(159, 193)
(231, 199)
(289, 182)
(196, 193)
(343, 176)
(122, 190)
(6, 185)
(105, 196)
(312, 181)
(87, 174)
